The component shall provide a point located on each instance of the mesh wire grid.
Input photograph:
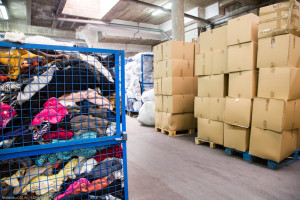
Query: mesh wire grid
(54, 99)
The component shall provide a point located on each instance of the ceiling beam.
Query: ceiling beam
(226, 3)
(28, 11)
(250, 2)
(149, 5)
(59, 10)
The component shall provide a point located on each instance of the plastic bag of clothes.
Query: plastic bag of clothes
(148, 96)
(137, 105)
(147, 114)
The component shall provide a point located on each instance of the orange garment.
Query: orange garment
(95, 185)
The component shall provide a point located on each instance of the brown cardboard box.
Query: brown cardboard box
(203, 64)
(242, 57)
(238, 111)
(178, 68)
(279, 19)
(243, 84)
(242, 29)
(177, 85)
(276, 114)
(159, 103)
(279, 83)
(217, 106)
(215, 39)
(178, 122)
(158, 53)
(202, 107)
(158, 119)
(272, 145)
(213, 86)
(178, 50)
(219, 62)
(158, 69)
(210, 130)
(236, 137)
(157, 86)
(178, 103)
(197, 48)
(195, 85)
(279, 51)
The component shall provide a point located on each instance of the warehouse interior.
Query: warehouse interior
(150, 99)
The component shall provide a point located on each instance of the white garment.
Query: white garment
(85, 167)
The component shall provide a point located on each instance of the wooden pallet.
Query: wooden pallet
(269, 163)
(175, 133)
(200, 141)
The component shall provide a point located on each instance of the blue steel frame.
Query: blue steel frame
(120, 137)
(142, 77)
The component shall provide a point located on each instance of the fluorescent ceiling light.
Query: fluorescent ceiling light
(95, 9)
(3, 12)
(166, 6)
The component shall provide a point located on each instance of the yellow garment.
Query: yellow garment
(13, 61)
(13, 180)
(44, 184)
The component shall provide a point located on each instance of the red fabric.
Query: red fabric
(62, 134)
(115, 151)
(95, 185)
(56, 165)
(3, 78)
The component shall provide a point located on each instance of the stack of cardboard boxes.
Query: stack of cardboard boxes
(174, 86)
(210, 67)
(242, 54)
(276, 110)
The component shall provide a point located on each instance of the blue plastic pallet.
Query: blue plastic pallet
(270, 164)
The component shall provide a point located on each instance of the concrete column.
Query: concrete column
(178, 20)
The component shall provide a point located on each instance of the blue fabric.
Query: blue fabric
(9, 135)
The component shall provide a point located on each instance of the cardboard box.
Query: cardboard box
(215, 39)
(195, 85)
(279, 51)
(203, 64)
(177, 85)
(243, 84)
(242, 29)
(219, 62)
(242, 57)
(178, 68)
(279, 19)
(158, 69)
(236, 137)
(158, 119)
(197, 48)
(157, 86)
(178, 50)
(217, 106)
(276, 114)
(158, 53)
(159, 103)
(210, 130)
(272, 145)
(202, 107)
(178, 103)
(238, 111)
(213, 86)
(179, 122)
(279, 83)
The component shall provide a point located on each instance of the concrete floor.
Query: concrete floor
(165, 168)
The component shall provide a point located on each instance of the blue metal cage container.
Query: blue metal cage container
(63, 129)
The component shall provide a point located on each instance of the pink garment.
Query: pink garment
(72, 187)
(54, 112)
(6, 114)
(61, 134)
(90, 95)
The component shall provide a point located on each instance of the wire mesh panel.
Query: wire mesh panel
(55, 98)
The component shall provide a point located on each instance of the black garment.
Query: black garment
(11, 166)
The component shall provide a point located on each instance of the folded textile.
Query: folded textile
(54, 112)
(6, 114)
(72, 187)
(90, 95)
(85, 166)
(115, 151)
(89, 123)
(89, 108)
(61, 134)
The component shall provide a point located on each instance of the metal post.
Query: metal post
(178, 20)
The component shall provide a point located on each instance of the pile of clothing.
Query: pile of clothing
(133, 80)
(50, 96)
